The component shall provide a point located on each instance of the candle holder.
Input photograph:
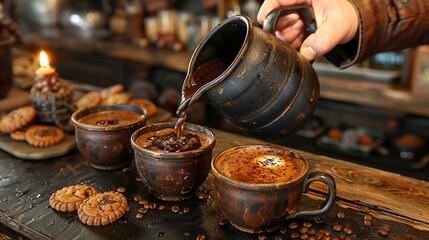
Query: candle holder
(53, 100)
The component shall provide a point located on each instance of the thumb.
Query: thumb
(321, 42)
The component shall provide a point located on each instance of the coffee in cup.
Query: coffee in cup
(260, 186)
(172, 168)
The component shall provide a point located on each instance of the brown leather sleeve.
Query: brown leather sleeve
(388, 25)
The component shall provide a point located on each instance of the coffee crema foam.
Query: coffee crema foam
(146, 139)
(111, 118)
(259, 165)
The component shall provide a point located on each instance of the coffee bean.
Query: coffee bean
(161, 207)
(311, 232)
(223, 221)
(335, 238)
(140, 210)
(337, 227)
(341, 215)
(143, 201)
(342, 236)
(307, 224)
(201, 236)
(368, 217)
(326, 232)
(294, 235)
(186, 210)
(283, 230)
(367, 222)
(327, 238)
(303, 236)
(278, 237)
(262, 237)
(201, 195)
(137, 198)
(121, 189)
(348, 230)
(303, 230)
(383, 232)
(127, 169)
(318, 219)
(138, 179)
(293, 225)
(319, 235)
(311, 238)
(152, 205)
(175, 209)
(139, 215)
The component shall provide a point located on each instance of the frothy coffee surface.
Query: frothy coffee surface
(259, 164)
(165, 140)
(111, 118)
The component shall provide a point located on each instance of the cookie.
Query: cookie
(19, 135)
(118, 98)
(109, 91)
(103, 208)
(149, 106)
(90, 99)
(17, 119)
(43, 135)
(70, 198)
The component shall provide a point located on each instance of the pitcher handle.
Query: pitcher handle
(336, 56)
(330, 199)
(305, 13)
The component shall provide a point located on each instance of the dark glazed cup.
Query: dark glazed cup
(173, 176)
(107, 147)
(263, 207)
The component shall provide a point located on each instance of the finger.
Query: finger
(291, 33)
(269, 5)
(321, 42)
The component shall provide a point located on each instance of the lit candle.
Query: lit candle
(45, 68)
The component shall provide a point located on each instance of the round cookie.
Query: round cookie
(17, 119)
(44, 135)
(70, 198)
(103, 208)
(109, 91)
(19, 135)
(149, 106)
(90, 99)
(118, 98)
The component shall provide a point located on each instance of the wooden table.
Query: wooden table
(399, 203)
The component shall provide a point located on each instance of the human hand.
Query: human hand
(337, 23)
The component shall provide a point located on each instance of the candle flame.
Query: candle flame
(44, 61)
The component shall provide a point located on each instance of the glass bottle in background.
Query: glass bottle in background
(134, 19)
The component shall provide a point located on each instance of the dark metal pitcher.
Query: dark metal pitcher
(268, 88)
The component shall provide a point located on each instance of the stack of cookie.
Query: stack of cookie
(94, 208)
(53, 100)
(114, 95)
(20, 125)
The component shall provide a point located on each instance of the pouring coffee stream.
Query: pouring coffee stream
(263, 85)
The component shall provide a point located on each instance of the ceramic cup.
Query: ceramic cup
(103, 134)
(172, 176)
(260, 186)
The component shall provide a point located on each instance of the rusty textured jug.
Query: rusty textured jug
(268, 89)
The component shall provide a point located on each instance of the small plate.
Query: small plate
(22, 149)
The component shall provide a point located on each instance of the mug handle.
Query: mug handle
(336, 56)
(329, 201)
